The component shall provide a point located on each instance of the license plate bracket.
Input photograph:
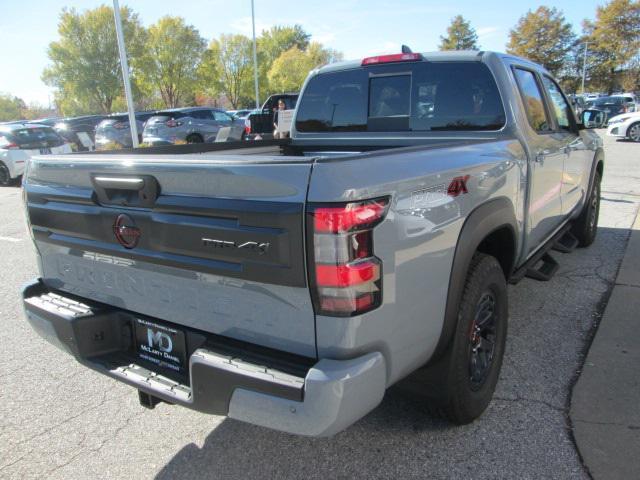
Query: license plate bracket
(161, 345)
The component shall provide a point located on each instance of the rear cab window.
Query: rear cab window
(403, 97)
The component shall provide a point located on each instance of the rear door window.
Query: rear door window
(424, 96)
(561, 108)
(221, 116)
(533, 100)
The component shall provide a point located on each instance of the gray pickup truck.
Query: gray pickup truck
(289, 283)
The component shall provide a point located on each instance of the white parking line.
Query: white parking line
(10, 239)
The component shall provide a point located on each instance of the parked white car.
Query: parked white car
(626, 125)
(20, 141)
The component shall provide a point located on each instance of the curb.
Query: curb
(605, 402)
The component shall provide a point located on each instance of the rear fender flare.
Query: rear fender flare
(481, 222)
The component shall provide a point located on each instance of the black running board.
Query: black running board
(567, 243)
(542, 266)
(544, 270)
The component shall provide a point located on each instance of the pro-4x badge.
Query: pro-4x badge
(259, 248)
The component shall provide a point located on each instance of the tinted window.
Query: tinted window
(33, 137)
(532, 98)
(609, 101)
(560, 106)
(421, 96)
(221, 116)
(202, 114)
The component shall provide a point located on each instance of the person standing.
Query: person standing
(276, 131)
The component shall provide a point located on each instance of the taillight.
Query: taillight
(345, 275)
(247, 126)
(10, 146)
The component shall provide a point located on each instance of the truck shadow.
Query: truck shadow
(227, 453)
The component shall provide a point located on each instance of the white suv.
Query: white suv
(19, 141)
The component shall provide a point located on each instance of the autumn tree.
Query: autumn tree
(460, 36)
(170, 64)
(614, 44)
(85, 66)
(543, 36)
(10, 107)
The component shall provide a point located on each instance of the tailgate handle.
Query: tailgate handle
(120, 183)
(126, 191)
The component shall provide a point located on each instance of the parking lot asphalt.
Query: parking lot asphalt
(60, 420)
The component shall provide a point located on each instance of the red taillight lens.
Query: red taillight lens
(352, 216)
(346, 277)
(247, 126)
(393, 58)
(10, 146)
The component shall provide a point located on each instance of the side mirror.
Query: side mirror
(593, 118)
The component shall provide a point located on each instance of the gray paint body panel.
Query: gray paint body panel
(272, 315)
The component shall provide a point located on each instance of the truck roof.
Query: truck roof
(441, 56)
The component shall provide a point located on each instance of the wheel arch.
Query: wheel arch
(490, 228)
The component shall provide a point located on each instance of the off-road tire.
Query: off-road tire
(585, 227)
(465, 400)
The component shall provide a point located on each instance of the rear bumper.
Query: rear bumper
(325, 399)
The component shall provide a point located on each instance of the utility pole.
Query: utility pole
(584, 65)
(255, 55)
(125, 75)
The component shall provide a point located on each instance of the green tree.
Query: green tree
(85, 67)
(170, 63)
(460, 36)
(274, 42)
(614, 42)
(289, 70)
(543, 36)
(227, 68)
(10, 108)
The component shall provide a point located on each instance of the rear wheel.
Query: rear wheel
(474, 358)
(585, 226)
(195, 138)
(5, 176)
(634, 132)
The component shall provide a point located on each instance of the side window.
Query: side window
(221, 116)
(201, 114)
(560, 106)
(532, 98)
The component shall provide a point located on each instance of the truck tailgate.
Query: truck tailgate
(210, 242)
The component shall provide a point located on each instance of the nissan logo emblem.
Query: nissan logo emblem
(126, 231)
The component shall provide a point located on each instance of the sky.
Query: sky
(355, 27)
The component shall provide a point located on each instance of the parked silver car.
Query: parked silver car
(115, 132)
(190, 125)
